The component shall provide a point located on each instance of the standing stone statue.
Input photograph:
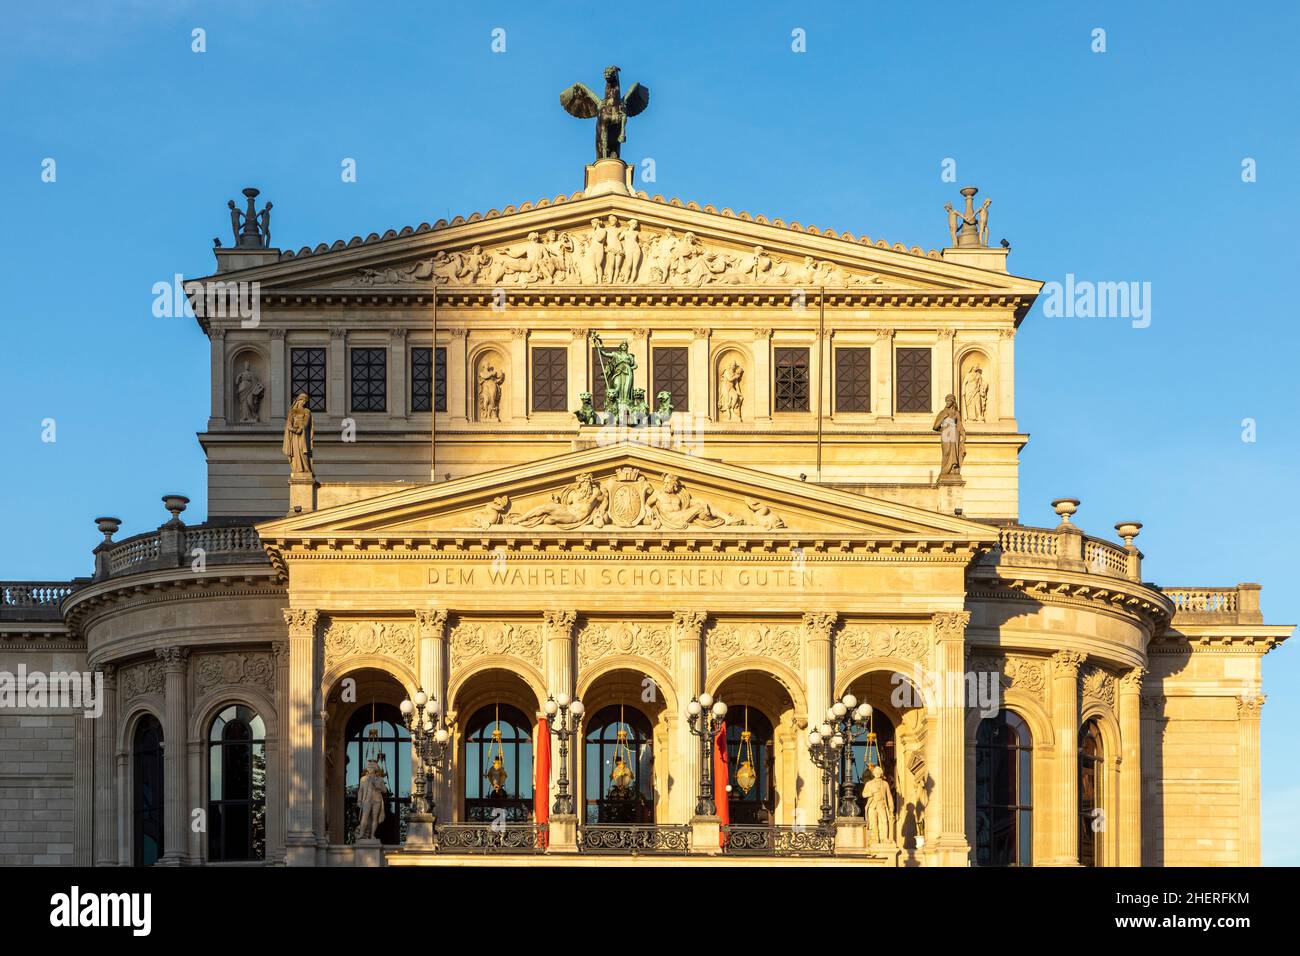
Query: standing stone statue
(730, 399)
(611, 113)
(952, 438)
(880, 808)
(975, 392)
(372, 794)
(953, 220)
(489, 393)
(617, 367)
(249, 391)
(297, 443)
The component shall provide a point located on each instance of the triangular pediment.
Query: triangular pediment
(621, 242)
(627, 490)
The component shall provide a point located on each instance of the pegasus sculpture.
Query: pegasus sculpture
(611, 113)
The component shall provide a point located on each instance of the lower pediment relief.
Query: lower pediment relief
(347, 640)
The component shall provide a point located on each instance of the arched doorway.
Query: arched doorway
(377, 733)
(498, 766)
(1090, 777)
(751, 767)
(147, 802)
(766, 705)
(893, 740)
(618, 767)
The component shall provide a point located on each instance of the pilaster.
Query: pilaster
(1130, 769)
(176, 815)
(519, 383)
(946, 842)
(762, 384)
(278, 382)
(300, 719)
(105, 773)
(1065, 773)
(1248, 714)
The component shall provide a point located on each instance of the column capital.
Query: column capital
(950, 625)
(762, 333)
(578, 334)
(701, 333)
(1249, 706)
(559, 623)
(301, 621)
(519, 332)
(689, 624)
(432, 621)
(108, 670)
(818, 624)
(173, 658)
(1066, 663)
(1130, 682)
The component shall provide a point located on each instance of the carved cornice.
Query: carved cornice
(1131, 601)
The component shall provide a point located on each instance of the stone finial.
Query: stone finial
(1128, 530)
(1065, 507)
(175, 504)
(108, 527)
(252, 229)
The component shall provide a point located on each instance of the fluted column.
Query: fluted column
(300, 719)
(433, 681)
(105, 785)
(175, 805)
(1130, 769)
(560, 680)
(1065, 775)
(83, 845)
(1248, 714)
(278, 814)
(949, 846)
(688, 633)
(818, 679)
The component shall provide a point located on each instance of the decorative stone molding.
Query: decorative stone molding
(301, 621)
(559, 623)
(432, 623)
(1096, 684)
(348, 639)
(173, 658)
(640, 334)
(1250, 707)
(1131, 680)
(1006, 333)
(818, 624)
(885, 335)
(652, 641)
(215, 670)
(861, 642)
(458, 332)
(1027, 674)
(277, 333)
(337, 332)
(689, 624)
(471, 640)
(139, 680)
(579, 334)
(280, 653)
(951, 625)
(779, 642)
(519, 332)
(216, 335)
(947, 333)
(762, 333)
(701, 333)
(398, 334)
(1066, 663)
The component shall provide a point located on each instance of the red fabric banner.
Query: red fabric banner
(542, 783)
(721, 777)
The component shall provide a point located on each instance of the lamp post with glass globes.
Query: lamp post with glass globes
(824, 746)
(564, 716)
(703, 716)
(428, 742)
(848, 718)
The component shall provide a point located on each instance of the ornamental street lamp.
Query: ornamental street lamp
(564, 716)
(429, 744)
(824, 747)
(703, 717)
(848, 719)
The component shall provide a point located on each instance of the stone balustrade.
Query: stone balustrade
(171, 547)
(1066, 547)
(33, 600)
(1235, 605)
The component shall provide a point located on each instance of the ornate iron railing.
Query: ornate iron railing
(779, 841)
(490, 838)
(634, 838)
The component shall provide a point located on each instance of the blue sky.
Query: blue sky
(1117, 166)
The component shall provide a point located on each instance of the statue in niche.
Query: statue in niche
(611, 113)
(490, 380)
(248, 392)
(730, 399)
(975, 392)
(880, 807)
(672, 506)
(297, 443)
(581, 502)
(372, 793)
(952, 439)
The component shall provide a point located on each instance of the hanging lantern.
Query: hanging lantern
(746, 775)
(621, 775)
(496, 774)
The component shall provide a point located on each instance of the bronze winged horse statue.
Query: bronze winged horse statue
(611, 112)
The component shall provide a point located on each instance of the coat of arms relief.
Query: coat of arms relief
(627, 499)
(615, 252)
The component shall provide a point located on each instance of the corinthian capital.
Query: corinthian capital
(1066, 663)
(951, 625)
(560, 623)
(819, 624)
(301, 621)
(1249, 706)
(689, 624)
(1131, 681)
(433, 622)
(173, 658)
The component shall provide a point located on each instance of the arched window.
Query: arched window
(376, 732)
(499, 765)
(1003, 791)
(237, 785)
(1090, 767)
(619, 767)
(147, 804)
(749, 767)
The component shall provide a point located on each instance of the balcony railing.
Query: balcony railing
(490, 837)
(171, 547)
(779, 841)
(32, 600)
(1238, 605)
(1047, 547)
(634, 838)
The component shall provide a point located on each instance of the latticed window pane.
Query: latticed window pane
(791, 380)
(672, 373)
(428, 379)
(307, 375)
(913, 380)
(597, 382)
(550, 379)
(369, 380)
(853, 380)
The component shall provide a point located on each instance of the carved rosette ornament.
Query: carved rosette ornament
(217, 670)
(345, 640)
(140, 680)
(652, 641)
(1026, 674)
(470, 640)
(860, 642)
(777, 642)
(1096, 684)
(1066, 663)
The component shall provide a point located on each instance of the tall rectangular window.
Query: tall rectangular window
(792, 385)
(597, 382)
(369, 380)
(671, 372)
(307, 375)
(428, 379)
(550, 379)
(853, 380)
(913, 380)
